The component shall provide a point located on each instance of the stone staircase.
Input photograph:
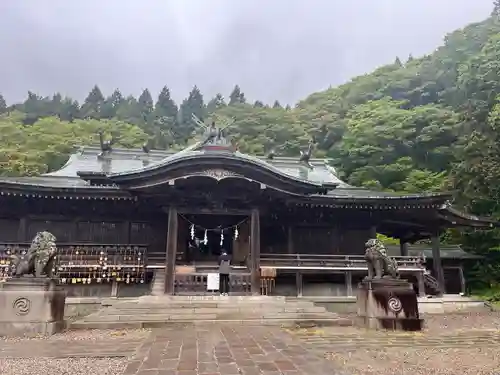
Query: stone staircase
(158, 283)
(159, 311)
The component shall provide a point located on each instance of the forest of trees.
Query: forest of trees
(416, 125)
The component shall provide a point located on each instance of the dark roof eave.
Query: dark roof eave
(459, 218)
(435, 200)
(13, 189)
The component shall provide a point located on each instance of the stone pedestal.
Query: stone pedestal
(31, 306)
(388, 303)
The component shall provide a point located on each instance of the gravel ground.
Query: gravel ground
(92, 335)
(431, 361)
(67, 366)
(479, 360)
(70, 366)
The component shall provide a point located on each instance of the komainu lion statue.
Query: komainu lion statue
(378, 262)
(39, 260)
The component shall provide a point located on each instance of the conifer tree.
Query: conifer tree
(91, 107)
(165, 106)
(193, 104)
(215, 103)
(111, 104)
(237, 96)
(146, 105)
(277, 104)
(3, 104)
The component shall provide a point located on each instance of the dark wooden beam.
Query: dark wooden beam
(463, 285)
(436, 262)
(299, 283)
(348, 282)
(290, 240)
(171, 250)
(255, 251)
(22, 231)
(403, 248)
(213, 211)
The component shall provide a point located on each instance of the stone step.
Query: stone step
(209, 310)
(199, 304)
(247, 299)
(158, 284)
(209, 316)
(325, 322)
(154, 318)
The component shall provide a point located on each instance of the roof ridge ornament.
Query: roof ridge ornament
(305, 156)
(214, 138)
(106, 146)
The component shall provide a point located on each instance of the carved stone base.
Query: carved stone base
(31, 306)
(388, 303)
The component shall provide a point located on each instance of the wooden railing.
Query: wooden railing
(86, 262)
(328, 261)
(196, 283)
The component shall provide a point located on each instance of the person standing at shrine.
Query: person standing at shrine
(224, 270)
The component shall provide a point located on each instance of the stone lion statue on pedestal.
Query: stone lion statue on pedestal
(39, 260)
(378, 262)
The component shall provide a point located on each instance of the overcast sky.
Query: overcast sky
(274, 49)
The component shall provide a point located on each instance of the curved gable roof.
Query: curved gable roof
(185, 162)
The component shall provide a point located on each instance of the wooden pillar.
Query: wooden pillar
(125, 232)
(171, 250)
(421, 283)
(348, 283)
(299, 283)
(22, 231)
(403, 248)
(114, 289)
(290, 240)
(255, 251)
(436, 262)
(373, 231)
(462, 279)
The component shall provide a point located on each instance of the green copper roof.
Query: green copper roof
(128, 160)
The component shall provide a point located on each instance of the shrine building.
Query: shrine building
(132, 221)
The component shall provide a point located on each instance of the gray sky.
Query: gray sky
(274, 49)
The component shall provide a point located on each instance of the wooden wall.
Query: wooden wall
(310, 239)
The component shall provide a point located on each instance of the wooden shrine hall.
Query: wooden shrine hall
(131, 216)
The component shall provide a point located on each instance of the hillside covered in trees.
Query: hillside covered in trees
(417, 125)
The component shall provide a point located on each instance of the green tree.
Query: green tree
(69, 110)
(129, 111)
(237, 96)
(192, 105)
(146, 106)
(111, 105)
(165, 106)
(47, 143)
(277, 104)
(217, 102)
(3, 105)
(92, 104)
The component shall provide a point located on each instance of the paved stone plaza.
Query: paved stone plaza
(465, 344)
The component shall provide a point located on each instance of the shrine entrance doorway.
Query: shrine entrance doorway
(203, 237)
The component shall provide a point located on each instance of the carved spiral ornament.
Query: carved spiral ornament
(395, 304)
(21, 306)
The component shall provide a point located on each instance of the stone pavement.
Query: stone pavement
(244, 350)
(225, 350)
